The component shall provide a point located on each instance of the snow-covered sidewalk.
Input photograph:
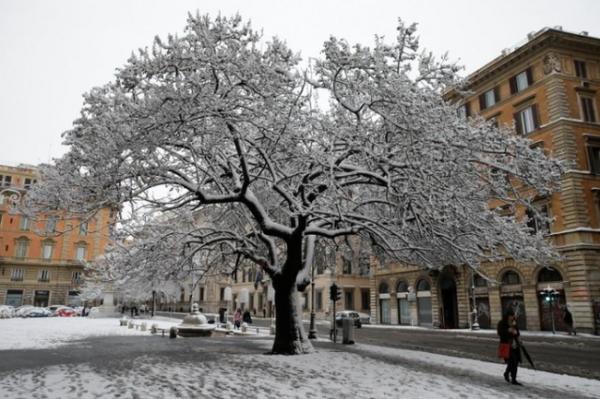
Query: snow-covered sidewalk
(234, 367)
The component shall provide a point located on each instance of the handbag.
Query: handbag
(504, 350)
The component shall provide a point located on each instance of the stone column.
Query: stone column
(495, 305)
(532, 312)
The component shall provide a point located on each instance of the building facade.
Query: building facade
(42, 258)
(549, 89)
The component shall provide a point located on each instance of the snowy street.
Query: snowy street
(97, 358)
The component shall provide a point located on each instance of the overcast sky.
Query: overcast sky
(51, 52)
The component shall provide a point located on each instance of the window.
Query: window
(83, 228)
(402, 287)
(580, 70)
(21, 248)
(51, 224)
(319, 300)
(222, 294)
(349, 299)
(538, 222)
(44, 276)
(521, 81)
(28, 183)
(593, 148)
(16, 275)
(5, 180)
(383, 288)
(588, 111)
(526, 120)
(47, 248)
(511, 278)
(489, 98)
(464, 111)
(423, 285)
(548, 275)
(24, 223)
(479, 281)
(76, 278)
(80, 252)
(365, 299)
(201, 294)
(347, 265)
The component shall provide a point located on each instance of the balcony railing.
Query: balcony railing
(39, 261)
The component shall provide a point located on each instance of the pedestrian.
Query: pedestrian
(237, 318)
(246, 317)
(83, 311)
(568, 319)
(509, 349)
(264, 312)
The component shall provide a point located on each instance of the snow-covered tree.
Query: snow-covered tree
(219, 122)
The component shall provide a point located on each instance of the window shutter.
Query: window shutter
(496, 94)
(529, 76)
(513, 85)
(535, 113)
(517, 118)
(482, 101)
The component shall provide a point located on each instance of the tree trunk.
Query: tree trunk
(290, 338)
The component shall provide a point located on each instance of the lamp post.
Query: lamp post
(312, 332)
(549, 295)
(475, 325)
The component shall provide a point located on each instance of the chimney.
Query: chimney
(530, 35)
(584, 33)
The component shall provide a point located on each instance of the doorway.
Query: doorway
(449, 302)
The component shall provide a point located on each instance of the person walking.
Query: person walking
(568, 319)
(247, 318)
(509, 349)
(237, 318)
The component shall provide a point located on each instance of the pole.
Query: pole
(334, 325)
(475, 325)
(312, 332)
(153, 301)
(552, 312)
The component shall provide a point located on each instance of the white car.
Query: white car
(364, 318)
(6, 311)
(21, 311)
(348, 314)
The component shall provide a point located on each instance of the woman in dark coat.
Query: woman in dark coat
(509, 334)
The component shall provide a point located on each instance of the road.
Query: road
(578, 356)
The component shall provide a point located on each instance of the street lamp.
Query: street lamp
(312, 332)
(475, 325)
(550, 295)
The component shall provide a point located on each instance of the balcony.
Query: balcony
(13, 260)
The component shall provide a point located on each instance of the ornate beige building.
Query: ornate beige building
(41, 258)
(549, 88)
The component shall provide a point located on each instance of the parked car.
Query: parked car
(22, 310)
(364, 318)
(7, 311)
(66, 311)
(37, 312)
(53, 308)
(347, 314)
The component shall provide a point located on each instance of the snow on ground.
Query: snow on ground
(325, 374)
(357, 371)
(44, 332)
(529, 377)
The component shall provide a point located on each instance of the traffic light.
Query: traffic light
(334, 293)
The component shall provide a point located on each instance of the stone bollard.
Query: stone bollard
(130, 324)
(272, 329)
(173, 332)
(123, 322)
(244, 327)
(154, 328)
(143, 326)
(229, 326)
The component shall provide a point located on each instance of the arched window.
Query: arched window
(511, 278)
(402, 286)
(548, 275)
(423, 285)
(384, 288)
(480, 281)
